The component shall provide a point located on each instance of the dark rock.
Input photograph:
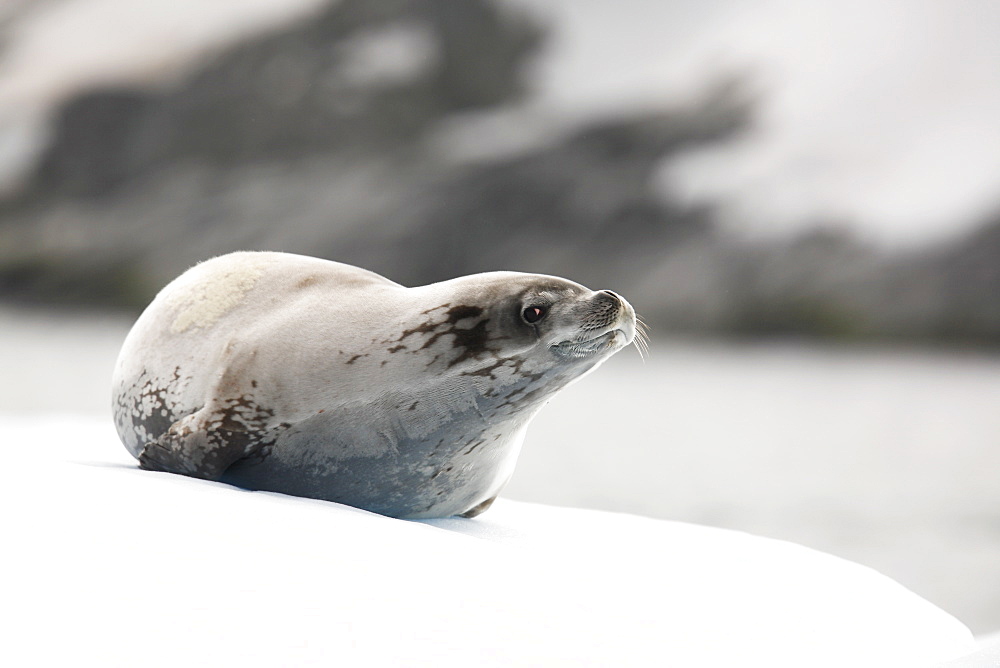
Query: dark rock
(307, 90)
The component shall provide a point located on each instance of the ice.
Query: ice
(118, 565)
(886, 458)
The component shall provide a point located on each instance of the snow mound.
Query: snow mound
(119, 566)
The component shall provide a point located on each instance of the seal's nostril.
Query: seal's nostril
(613, 295)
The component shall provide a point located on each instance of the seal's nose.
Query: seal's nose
(614, 296)
(623, 314)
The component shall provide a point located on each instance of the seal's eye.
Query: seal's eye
(533, 314)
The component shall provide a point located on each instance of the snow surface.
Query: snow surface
(884, 457)
(110, 564)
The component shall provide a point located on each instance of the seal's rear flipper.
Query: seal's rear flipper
(192, 448)
(479, 509)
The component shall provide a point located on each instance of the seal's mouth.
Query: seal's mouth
(588, 347)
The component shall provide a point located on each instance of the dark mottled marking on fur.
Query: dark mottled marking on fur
(151, 409)
(239, 429)
(472, 341)
(474, 446)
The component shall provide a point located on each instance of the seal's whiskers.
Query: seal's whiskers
(641, 339)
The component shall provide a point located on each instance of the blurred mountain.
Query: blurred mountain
(359, 76)
(829, 284)
(326, 138)
(333, 137)
(968, 273)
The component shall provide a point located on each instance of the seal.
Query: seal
(286, 373)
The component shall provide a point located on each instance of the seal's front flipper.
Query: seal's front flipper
(192, 448)
(479, 509)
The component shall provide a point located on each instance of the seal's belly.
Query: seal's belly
(442, 475)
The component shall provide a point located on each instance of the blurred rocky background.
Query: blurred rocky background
(420, 139)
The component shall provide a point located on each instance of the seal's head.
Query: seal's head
(522, 329)
(572, 323)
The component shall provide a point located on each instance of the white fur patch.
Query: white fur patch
(205, 301)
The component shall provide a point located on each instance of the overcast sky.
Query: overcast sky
(882, 114)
